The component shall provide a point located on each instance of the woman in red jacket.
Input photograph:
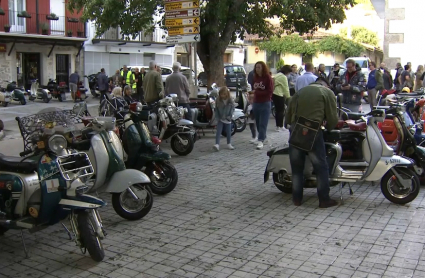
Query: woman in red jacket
(263, 91)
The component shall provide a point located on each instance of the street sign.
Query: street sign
(181, 14)
(184, 39)
(182, 22)
(173, 31)
(181, 5)
(171, 1)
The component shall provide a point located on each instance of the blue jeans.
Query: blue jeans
(262, 115)
(318, 159)
(227, 128)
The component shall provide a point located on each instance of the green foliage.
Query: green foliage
(343, 32)
(341, 45)
(367, 5)
(364, 35)
(280, 63)
(293, 44)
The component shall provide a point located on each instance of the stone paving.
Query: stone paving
(222, 221)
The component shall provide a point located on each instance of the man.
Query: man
(307, 78)
(292, 79)
(118, 79)
(176, 83)
(152, 84)
(375, 83)
(128, 78)
(139, 82)
(102, 83)
(324, 109)
(388, 79)
(321, 71)
(74, 79)
(405, 79)
(397, 84)
(352, 84)
(334, 77)
(251, 79)
(382, 66)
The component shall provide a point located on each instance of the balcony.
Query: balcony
(42, 24)
(114, 34)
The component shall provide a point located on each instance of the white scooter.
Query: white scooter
(399, 183)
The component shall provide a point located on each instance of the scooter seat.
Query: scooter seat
(352, 115)
(332, 137)
(156, 156)
(340, 124)
(82, 90)
(357, 126)
(18, 164)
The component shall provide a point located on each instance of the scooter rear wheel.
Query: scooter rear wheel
(46, 100)
(23, 101)
(126, 206)
(4, 103)
(282, 184)
(392, 191)
(181, 149)
(240, 124)
(89, 239)
(162, 185)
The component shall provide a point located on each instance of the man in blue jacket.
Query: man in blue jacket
(102, 83)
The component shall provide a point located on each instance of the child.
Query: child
(251, 118)
(224, 108)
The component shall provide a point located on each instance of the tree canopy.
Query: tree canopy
(222, 21)
(362, 35)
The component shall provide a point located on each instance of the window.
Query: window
(166, 71)
(238, 70)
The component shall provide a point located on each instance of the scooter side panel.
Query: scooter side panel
(384, 164)
(121, 180)
(99, 157)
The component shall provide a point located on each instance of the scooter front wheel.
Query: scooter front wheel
(163, 176)
(392, 189)
(240, 124)
(89, 239)
(179, 148)
(281, 183)
(232, 130)
(4, 103)
(128, 207)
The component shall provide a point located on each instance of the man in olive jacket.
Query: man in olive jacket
(324, 109)
(152, 84)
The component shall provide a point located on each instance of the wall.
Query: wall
(326, 58)
(339, 58)
(255, 57)
(291, 59)
(47, 64)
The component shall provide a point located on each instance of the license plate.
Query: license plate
(232, 79)
(7, 99)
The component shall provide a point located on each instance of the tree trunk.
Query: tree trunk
(211, 56)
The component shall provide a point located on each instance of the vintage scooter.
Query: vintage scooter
(45, 187)
(39, 92)
(399, 183)
(94, 89)
(57, 90)
(4, 97)
(14, 93)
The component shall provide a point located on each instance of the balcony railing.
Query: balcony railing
(42, 24)
(114, 34)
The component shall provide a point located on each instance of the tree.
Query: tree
(362, 35)
(222, 21)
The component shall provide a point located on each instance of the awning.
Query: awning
(131, 43)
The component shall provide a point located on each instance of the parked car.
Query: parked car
(231, 73)
(202, 79)
(167, 70)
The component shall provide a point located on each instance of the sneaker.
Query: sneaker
(328, 204)
(278, 129)
(283, 128)
(216, 147)
(260, 145)
(253, 141)
(230, 147)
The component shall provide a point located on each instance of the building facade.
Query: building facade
(36, 44)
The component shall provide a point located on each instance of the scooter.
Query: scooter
(203, 112)
(4, 97)
(14, 93)
(39, 92)
(94, 89)
(57, 90)
(143, 153)
(80, 95)
(45, 187)
(399, 183)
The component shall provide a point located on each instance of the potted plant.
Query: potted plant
(52, 16)
(6, 28)
(72, 19)
(44, 28)
(24, 14)
(69, 33)
(2, 11)
(80, 34)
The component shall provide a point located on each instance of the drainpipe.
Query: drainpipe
(37, 22)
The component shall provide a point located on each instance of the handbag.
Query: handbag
(304, 132)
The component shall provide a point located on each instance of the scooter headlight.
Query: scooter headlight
(57, 143)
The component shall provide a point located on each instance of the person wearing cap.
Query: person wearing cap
(334, 77)
(176, 83)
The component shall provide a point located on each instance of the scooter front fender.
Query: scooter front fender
(121, 180)
(82, 201)
(385, 164)
(185, 122)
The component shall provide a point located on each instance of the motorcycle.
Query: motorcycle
(45, 187)
(39, 92)
(143, 153)
(57, 90)
(94, 89)
(13, 93)
(166, 121)
(203, 112)
(399, 183)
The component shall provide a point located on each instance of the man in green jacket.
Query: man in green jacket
(315, 102)
(152, 84)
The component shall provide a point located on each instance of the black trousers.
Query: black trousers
(279, 105)
(102, 95)
(292, 91)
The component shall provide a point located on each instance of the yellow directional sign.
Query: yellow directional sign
(182, 22)
(181, 5)
(174, 31)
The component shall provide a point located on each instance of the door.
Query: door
(62, 68)
(57, 27)
(117, 60)
(30, 68)
(147, 57)
(17, 24)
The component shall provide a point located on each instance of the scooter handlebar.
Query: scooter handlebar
(24, 153)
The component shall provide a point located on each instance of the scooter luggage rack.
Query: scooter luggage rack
(32, 125)
(74, 165)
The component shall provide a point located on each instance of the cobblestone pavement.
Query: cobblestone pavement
(222, 221)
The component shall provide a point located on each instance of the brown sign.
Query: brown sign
(2, 48)
(184, 13)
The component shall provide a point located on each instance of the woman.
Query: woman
(263, 90)
(115, 107)
(127, 95)
(280, 94)
(418, 75)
